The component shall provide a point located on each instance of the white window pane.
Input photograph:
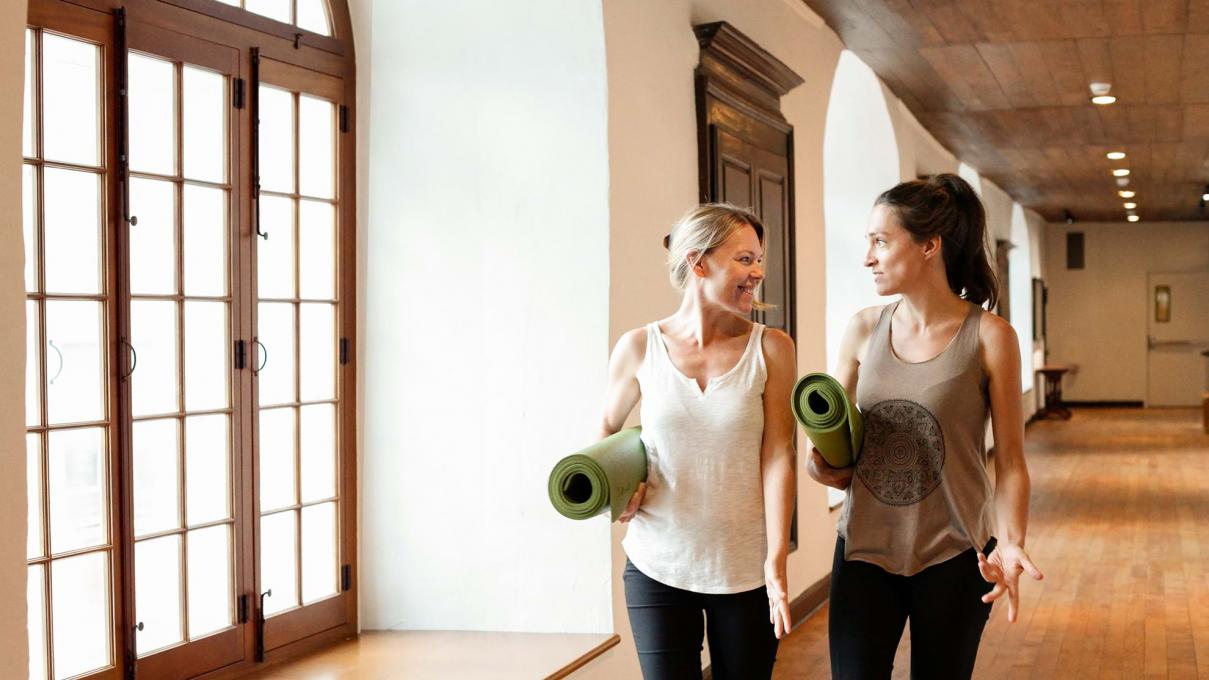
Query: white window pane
(33, 486)
(277, 458)
(312, 15)
(153, 239)
(153, 385)
(318, 551)
(156, 476)
(152, 113)
(205, 236)
(317, 335)
(33, 377)
(207, 468)
(29, 205)
(35, 601)
(78, 498)
(81, 614)
(27, 127)
(318, 443)
(70, 100)
(276, 139)
(72, 231)
(210, 596)
(206, 362)
(317, 250)
(73, 361)
(157, 593)
(278, 569)
(275, 255)
(316, 147)
(205, 114)
(275, 331)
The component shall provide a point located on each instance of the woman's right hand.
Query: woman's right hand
(631, 508)
(824, 474)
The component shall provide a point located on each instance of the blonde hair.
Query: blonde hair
(701, 230)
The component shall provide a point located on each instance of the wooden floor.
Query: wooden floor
(1120, 526)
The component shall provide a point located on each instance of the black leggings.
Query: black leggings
(869, 607)
(667, 628)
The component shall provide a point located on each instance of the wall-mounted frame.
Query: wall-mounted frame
(1162, 304)
(1039, 300)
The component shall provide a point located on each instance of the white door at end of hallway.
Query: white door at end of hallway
(1178, 332)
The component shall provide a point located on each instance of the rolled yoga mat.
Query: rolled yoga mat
(600, 478)
(834, 424)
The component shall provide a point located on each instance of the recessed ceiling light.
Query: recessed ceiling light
(1115, 155)
(1120, 172)
(1103, 99)
(1100, 94)
(1122, 181)
(1131, 205)
(1127, 194)
(1133, 218)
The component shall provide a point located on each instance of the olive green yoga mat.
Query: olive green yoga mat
(834, 424)
(599, 478)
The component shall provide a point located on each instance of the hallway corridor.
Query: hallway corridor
(1116, 497)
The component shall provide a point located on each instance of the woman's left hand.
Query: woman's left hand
(777, 586)
(1003, 568)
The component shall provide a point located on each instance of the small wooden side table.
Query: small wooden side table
(1052, 378)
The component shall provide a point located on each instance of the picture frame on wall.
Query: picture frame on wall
(1162, 304)
(1039, 301)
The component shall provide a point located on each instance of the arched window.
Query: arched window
(188, 191)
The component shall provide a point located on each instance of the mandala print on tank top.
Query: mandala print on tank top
(903, 454)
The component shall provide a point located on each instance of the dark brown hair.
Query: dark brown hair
(946, 206)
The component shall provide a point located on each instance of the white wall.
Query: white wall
(486, 312)
(14, 645)
(1097, 315)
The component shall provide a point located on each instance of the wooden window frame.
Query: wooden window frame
(310, 57)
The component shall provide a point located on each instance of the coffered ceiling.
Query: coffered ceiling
(1004, 85)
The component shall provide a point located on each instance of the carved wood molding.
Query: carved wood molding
(736, 62)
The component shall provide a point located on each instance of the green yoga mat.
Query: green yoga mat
(835, 425)
(601, 477)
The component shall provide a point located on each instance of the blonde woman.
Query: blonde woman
(709, 530)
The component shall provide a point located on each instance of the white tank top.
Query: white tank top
(701, 525)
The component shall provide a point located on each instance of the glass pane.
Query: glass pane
(153, 239)
(276, 139)
(153, 387)
(27, 127)
(275, 255)
(312, 15)
(278, 569)
(81, 613)
(74, 369)
(76, 472)
(318, 442)
(70, 100)
(317, 250)
(205, 114)
(156, 476)
(206, 356)
(157, 593)
(318, 552)
(33, 486)
(317, 334)
(33, 377)
(207, 468)
(274, 9)
(152, 114)
(205, 241)
(29, 204)
(209, 580)
(35, 601)
(276, 333)
(276, 458)
(316, 147)
(72, 236)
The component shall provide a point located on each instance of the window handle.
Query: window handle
(60, 355)
(134, 358)
(264, 351)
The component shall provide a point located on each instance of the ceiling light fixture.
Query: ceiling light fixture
(1205, 196)
(1127, 194)
(1099, 93)
(1133, 218)
(1070, 218)
(1131, 205)
(1122, 181)
(1115, 155)
(1121, 172)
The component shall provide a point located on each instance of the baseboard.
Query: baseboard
(1101, 404)
(799, 610)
